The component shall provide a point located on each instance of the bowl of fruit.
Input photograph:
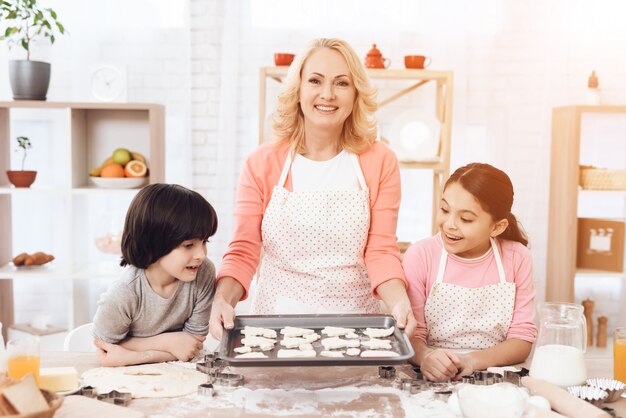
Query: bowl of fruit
(124, 169)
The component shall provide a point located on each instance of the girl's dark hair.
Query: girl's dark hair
(494, 191)
(159, 218)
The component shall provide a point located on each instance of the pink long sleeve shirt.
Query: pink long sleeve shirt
(421, 264)
(261, 173)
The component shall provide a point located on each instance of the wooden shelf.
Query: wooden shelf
(564, 199)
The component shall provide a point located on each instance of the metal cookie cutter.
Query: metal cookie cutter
(88, 391)
(387, 372)
(206, 389)
(486, 378)
(116, 398)
(408, 385)
(229, 379)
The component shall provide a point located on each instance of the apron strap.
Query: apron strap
(286, 166)
(444, 259)
(358, 171)
(496, 254)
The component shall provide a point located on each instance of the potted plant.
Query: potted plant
(24, 23)
(22, 178)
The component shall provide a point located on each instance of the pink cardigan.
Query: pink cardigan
(261, 173)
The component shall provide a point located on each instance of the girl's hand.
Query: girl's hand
(440, 365)
(184, 346)
(222, 316)
(467, 366)
(404, 317)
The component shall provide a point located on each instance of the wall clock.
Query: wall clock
(108, 84)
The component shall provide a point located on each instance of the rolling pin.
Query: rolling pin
(561, 401)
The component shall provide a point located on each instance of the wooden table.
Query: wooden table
(297, 391)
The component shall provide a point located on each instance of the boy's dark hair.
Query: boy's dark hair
(159, 218)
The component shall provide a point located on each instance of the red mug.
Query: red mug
(416, 61)
(283, 59)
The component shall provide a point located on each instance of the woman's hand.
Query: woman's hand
(404, 317)
(222, 316)
(228, 292)
(440, 365)
(467, 365)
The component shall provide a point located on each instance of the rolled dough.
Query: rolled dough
(160, 380)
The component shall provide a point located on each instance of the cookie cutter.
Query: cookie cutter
(229, 379)
(386, 372)
(442, 395)
(116, 398)
(212, 367)
(206, 389)
(87, 391)
(408, 385)
(486, 378)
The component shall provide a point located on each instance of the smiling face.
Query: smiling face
(465, 226)
(182, 262)
(327, 91)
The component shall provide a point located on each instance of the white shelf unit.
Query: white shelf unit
(70, 138)
(411, 81)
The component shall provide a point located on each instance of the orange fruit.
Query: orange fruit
(135, 168)
(112, 170)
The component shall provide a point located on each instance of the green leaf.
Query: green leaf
(53, 14)
(51, 39)
(61, 27)
(24, 44)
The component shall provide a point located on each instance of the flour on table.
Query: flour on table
(242, 350)
(161, 380)
(254, 354)
(337, 331)
(336, 343)
(295, 332)
(256, 332)
(331, 353)
(379, 332)
(284, 353)
(379, 353)
(374, 344)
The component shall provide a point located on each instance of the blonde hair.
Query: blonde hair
(359, 129)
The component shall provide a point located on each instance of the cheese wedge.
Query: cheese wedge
(25, 396)
(58, 379)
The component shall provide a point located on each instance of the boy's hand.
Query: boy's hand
(440, 365)
(185, 346)
(112, 355)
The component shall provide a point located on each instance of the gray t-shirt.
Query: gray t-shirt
(130, 308)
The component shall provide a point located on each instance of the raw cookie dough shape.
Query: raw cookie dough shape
(283, 353)
(374, 344)
(379, 332)
(249, 331)
(254, 354)
(379, 353)
(142, 381)
(335, 343)
(295, 332)
(337, 331)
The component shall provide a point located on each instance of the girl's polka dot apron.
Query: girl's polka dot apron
(314, 243)
(469, 318)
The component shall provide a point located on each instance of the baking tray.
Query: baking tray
(232, 339)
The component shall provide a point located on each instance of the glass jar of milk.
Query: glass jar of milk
(561, 344)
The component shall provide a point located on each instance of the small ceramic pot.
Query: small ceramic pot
(21, 178)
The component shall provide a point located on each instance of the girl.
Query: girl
(471, 285)
(159, 309)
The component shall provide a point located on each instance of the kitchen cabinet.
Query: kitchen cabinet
(572, 131)
(56, 213)
(398, 83)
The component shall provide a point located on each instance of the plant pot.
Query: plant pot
(21, 178)
(29, 79)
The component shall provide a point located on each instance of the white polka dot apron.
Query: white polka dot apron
(314, 243)
(469, 318)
